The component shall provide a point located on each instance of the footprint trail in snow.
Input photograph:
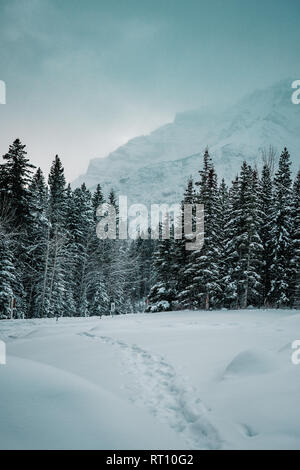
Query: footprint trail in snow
(157, 387)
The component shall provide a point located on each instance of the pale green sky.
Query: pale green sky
(84, 76)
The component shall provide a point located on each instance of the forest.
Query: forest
(53, 264)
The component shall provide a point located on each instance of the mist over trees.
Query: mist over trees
(53, 264)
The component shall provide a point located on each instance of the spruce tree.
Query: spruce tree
(83, 223)
(8, 278)
(296, 244)
(181, 254)
(222, 215)
(97, 199)
(248, 239)
(15, 178)
(230, 250)
(243, 248)
(281, 232)
(57, 278)
(57, 195)
(267, 201)
(36, 241)
(163, 293)
(203, 268)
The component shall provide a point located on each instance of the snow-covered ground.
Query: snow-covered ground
(207, 380)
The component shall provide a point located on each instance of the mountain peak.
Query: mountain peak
(148, 168)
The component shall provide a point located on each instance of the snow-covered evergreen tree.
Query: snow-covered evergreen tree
(57, 275)
(203, 267)
(267, 201)
(243, 249)
(163, 292)
(223, 201)
(7, 269)
(281, 232)
(248, 240)
(181, 254)
(230, 250)
(36, 241)
(53, 264)
(97, 199)
(296, 244)
(16, 175)
(57, 193)
(253, 280)
(84, 228)
(141, 256)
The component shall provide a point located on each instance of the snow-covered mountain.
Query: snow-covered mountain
(154, 168)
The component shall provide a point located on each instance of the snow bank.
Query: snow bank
(46, 408)
(250, 363)
(207, 380)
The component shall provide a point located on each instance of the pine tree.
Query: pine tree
(97, 199)
(243, 249)
(266, 198)
(253, 294)
(163, 293)
(117, 265)
(36, 244)
(100, 299)
(248, 239)
(56, 280)
(141, 257)
(231, 257)
(296, 244)
(181, 254)
(222, 214)
(112, 199)
(8, 279)
(57, 200)
(96, 294)
(121, 277)
(204, 173)
(281, 232)
(83, 222)
(15, 177)
(203, 268)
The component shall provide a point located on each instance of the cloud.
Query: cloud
(83, 76)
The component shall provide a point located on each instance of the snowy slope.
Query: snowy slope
(216, 380)
(154, 168)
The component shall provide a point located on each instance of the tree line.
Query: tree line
(51, 261)
(251, 252)
(53, 264)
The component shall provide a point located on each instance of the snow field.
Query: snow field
(204, 380)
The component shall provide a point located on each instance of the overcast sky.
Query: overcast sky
(84, 76)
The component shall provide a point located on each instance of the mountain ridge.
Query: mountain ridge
(154, 168)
